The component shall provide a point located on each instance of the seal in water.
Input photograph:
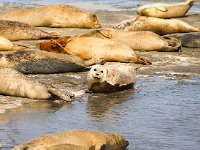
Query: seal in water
(166, 10)
(92, 47)
(6, 45)
(87, 139)
(36, 61)
(156, 25)
(55, 15)
(14, 83)
(13, 30)
(111, 78)
(136, 39)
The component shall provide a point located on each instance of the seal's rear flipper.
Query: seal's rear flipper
(66, 96)
(54, 35)
(142, 60)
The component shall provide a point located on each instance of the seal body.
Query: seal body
(92, 47)
(14, 83)
(156, 25)
(22, 31)
(136, 39)
(6, 45)
(84, 138)
(56, 15)
(111, 78)
(166, 10)
(32, 61)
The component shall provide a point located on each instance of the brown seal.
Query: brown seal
(6, 45)
(136, 39)
(36, 61)
(87, 139)
(91, 47)
(156, 25)
(111, 78)
(55, 15)
(14, 83)
(166, 10)
(13, 30)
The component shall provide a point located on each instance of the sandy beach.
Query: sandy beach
(176, 66)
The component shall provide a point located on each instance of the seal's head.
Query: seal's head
(98, 73)
(93, 21)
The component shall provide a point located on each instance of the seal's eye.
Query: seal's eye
(101, 71)
(95, 69)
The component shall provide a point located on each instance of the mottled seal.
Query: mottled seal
(136, 39)
(13, 30)
(6, 45)
(36, 61)
(14, 83)
(166, 10)
(86, 138)
(157, 25)
(55, 15)
(111, 78)
(92, 47)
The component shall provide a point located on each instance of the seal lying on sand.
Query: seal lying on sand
(157, 25)
(36, 61)
(188, 39)
(6, 45)
(13, 30)
(166, 10)
(91, 47)
(90, 140)
(56, 15)
(14, 83)
(110, 78)
(136, 39)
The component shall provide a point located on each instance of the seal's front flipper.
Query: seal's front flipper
(161, 8)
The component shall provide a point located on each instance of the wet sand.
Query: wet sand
(183, 65)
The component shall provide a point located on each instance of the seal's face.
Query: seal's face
(99, 73)
(93, 21)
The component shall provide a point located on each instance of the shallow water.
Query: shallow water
(114, 5)
(159, 114)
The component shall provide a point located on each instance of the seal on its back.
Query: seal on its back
(166, 10)
(156, 25)
(13, 30)
(55, 15)
(136, 39)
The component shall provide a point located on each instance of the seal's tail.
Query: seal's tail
(142, 60)
(66, 96)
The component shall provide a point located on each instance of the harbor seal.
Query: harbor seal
(92, 47)
(13, 30)
(14, 83)
(36, 61)
(136, 39)
(91, 140)
(111, 78)
(6, 45)
(156, 25)
(55, 15)
(166, 10)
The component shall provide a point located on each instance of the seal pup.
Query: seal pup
(111, 78)
(166, 10)
(36, 61)
(13, 30)
(6, 45)
(92, 47)
(85, 138)
(136, 39)
(156, 25)
(14, 83)
(55, 15)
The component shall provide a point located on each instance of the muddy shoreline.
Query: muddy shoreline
(174, 65)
